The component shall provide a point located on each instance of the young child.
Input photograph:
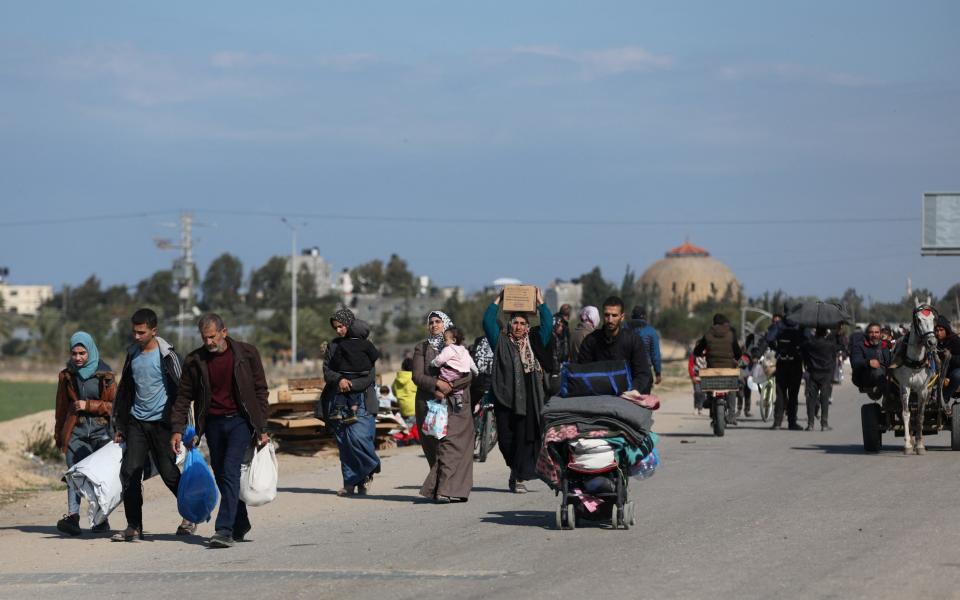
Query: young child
(353, 357)
(454, 362)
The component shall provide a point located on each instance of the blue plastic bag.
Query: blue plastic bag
(197, 493)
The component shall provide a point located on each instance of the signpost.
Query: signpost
(940, 224)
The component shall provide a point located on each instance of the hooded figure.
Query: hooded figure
(589, 321)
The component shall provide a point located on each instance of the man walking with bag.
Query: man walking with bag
(148, 386)
(225, 382)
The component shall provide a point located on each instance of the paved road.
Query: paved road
(756, 514)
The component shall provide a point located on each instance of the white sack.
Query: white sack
(97, 478)
(258, 477)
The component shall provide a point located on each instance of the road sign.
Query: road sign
(941, 224)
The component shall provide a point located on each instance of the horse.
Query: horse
(909, 371)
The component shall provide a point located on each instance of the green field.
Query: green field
(22, 398)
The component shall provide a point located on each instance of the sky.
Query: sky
(535, 140)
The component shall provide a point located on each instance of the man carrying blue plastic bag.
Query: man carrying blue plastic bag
(225, 382)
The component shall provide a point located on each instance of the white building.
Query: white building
(560, 292)
(24, 299)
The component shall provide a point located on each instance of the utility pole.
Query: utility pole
(293, 293)
(182, 270)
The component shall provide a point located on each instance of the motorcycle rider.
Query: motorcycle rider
(722, 351)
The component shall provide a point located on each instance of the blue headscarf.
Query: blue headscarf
(82, 338)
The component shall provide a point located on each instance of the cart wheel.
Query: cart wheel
(615, 517)
(571, 517)
(625, 517)
(870, 422)
(560, 516)
(764, 405)
(955, 427)
(631, 514)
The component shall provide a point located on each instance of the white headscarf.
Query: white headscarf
(590, 314)
(436, 341)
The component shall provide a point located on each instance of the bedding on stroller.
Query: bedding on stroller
(592, 446)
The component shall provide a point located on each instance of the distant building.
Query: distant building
(687, 275)
(561, 292)
(318, 268)
(24, 299)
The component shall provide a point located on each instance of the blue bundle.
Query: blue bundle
(197, 493)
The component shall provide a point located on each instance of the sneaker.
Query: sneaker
(102, 527)
(795, 427)
(748, 414)
(240, 533)
(809, 427)
(221, 540)
(69, 524)
(826, 428)
(775, 426)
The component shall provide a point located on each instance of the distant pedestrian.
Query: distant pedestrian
(225, 383)
(949, 347)
(589, 321)
(451, 459)
(651, 342)
(356, 435)
(406, 390)
(85, 393)
(820, 360)
(786, 344)
(149, 385)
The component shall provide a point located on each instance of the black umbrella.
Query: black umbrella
(819, 314)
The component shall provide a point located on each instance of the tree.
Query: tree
(157, 292)
(267, 284)
(368, 278)
(399, 279)
(221, 283)
(595, 288)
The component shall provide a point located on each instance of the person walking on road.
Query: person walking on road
(651, 342)
(519, 386)
(85, 392)
(451, 459)
(786, 344)
(356, 435)
(615, 341)
(820, 360)
(225, 383)
(589, 321)
(148, 387)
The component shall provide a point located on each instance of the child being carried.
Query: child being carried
(353, 357)
(455, 363)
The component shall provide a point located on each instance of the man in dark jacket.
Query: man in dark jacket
(869, 358)
(820, 359)
(225, 382)
(141, 415)
(651, 340)
(722, 351)
(787, 344)
(949, 342)
(615, 342)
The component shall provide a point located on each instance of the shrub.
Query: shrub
(41, 443)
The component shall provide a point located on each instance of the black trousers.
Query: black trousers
(145, 440)
(789, 375)
(819, 388)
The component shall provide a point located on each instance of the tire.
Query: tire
(632, 515)
(571, 517)
(870, 416)
(488, 435)
(559, 517)
(719, 418)
(955, 428)
(615, 517)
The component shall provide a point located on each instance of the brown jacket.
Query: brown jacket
(249, 388)
(66, 416)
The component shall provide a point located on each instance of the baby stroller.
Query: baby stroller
(593, 488)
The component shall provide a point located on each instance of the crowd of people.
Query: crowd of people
(223, 386)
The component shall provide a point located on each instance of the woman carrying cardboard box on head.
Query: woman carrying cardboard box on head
(518, 381)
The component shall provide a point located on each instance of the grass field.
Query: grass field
(23, 398)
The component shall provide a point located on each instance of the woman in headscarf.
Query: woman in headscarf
(451, 459)
(589, 320)
(356, 438)
(85, 392)
(519, 387)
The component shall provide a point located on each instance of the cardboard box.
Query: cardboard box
(519, 298)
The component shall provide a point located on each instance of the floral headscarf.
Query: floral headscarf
(345, 316)
(436, 341)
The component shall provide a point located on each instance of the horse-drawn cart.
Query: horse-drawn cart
(880, 416)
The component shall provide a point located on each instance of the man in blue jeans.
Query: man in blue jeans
(225, 382)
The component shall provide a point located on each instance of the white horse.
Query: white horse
(910, 373)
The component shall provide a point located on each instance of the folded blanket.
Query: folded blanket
(600, 410)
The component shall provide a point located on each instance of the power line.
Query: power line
(471, 220)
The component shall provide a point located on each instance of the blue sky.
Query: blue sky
(532, 140)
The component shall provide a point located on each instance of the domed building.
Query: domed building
(687, 275)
